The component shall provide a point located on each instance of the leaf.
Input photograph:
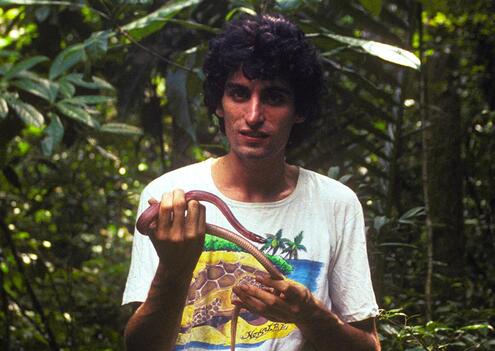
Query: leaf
(4, 108)
(333, 172)
(34, 2)
(97, 44)
(36, 88)
(177, 96)
(379, 222)
(77, 113)
(194, 25)
(97, 83)
(232, 12)
(24, 65)
(386, 52)
(154, 21)
(288, 5)
(26, 112)
(66, 59)
(66, 89)
(54, 134)
(413, 212)
(88, 99)
(121, 128)
(373, 6)
(345, 178)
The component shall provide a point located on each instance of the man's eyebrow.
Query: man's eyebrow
(230, 85)
(279, 89)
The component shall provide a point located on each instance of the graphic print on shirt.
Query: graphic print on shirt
(206, 319)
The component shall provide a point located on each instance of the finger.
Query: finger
(202, 220)
(272, 308)
(191, 221)
(164, 216)
(179, 210)
(152, 201)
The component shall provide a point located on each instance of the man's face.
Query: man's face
(258, 116)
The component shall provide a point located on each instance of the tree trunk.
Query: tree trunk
(442, 175)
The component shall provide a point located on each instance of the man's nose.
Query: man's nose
(254, 115)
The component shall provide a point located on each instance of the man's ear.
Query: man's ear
(219, 111)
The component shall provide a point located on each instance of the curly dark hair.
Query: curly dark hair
(265, 47)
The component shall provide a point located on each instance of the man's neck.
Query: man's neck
(252, 180)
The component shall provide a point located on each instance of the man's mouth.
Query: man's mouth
(253, 134)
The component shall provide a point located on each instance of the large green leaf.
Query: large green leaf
(53, 134)
(77, 113)
(177, 95)
(39, 88)
(386, 52)
(154, 21)
(24, 65)
(26, 112)
(66, 59)
(4, 108)
(120, 128)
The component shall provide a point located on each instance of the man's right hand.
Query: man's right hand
(179, 235)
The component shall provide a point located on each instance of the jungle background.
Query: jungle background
(98, 97)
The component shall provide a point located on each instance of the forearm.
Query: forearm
(155, 324)
(327, 332)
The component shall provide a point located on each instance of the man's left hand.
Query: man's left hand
(281, 300)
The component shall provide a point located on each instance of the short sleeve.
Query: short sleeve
(351, 290)
(144, 262)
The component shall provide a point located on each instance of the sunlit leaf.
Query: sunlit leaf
(26, 112)
(77, 113)
(146, 25)
(4, 108)
(386, 52)
(121, 128)
(232, 12)
(24, 65)
(53, 134)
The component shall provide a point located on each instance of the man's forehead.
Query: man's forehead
(238, 77)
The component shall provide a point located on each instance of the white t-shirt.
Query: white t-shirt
(321, 244)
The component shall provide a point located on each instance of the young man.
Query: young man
(263, 82)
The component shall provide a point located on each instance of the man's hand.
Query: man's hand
(179, 235)
(280, 301)
(289, 302)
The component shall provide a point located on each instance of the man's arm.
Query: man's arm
(178, 240)
(294, 303)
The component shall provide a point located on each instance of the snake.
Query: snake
(148, 220)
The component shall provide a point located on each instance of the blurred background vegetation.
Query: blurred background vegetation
(98, 97)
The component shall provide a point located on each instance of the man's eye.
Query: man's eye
(239, 94)
(275, 98)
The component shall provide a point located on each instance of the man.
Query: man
(263, 82)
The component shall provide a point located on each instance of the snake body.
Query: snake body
(148, 221)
